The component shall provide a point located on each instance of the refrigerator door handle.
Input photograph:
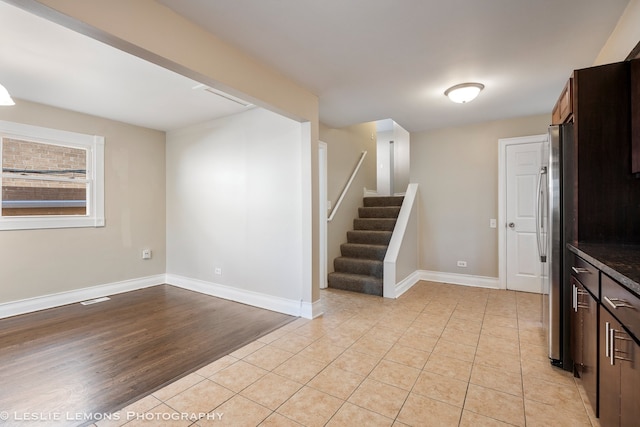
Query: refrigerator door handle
(542, 250)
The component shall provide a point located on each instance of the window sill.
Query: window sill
(36, 223)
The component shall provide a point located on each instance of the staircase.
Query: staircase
(360, 267)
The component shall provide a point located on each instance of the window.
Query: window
(50, 178)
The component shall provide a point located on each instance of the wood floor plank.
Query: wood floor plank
(96, 359)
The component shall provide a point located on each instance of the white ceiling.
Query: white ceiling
(43, 62)
(365, 59)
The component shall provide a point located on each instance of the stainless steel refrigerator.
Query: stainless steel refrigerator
(554, 229)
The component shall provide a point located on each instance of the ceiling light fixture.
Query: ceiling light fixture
(5, 98)
(464, 92)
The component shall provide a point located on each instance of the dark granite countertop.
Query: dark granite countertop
(620, 262)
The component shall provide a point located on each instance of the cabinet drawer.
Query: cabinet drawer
(622, 303)
(587, 274)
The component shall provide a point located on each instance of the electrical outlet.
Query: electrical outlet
(146, 254)
(218, 271)
(462, 263)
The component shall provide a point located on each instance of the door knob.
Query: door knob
(512, 225)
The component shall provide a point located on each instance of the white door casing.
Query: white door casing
(323, 205)
(520, 267)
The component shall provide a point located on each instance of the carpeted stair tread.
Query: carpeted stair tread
(370, 237)
(379, 212)
(365, 251)
(355, 283)
(378, 224)
(369, 267)
(383, 201)
(360, 268)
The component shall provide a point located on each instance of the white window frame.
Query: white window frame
(94, 145)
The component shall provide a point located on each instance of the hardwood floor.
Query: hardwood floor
(74, 361)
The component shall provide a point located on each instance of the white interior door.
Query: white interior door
(523, 264)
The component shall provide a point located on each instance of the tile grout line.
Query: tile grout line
(524, 407)
(383, 312)
(466, 392)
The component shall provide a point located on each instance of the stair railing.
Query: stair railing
(347, 186)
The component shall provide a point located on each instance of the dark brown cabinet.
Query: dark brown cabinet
(587, 311)
(635, 116)
(577, 330)
(619, 374)
(602, 145)
(605, 326)
(598, 104)
(619, 355)
(564, 106)
(584, 327)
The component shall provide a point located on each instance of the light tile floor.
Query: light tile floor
(440, 355)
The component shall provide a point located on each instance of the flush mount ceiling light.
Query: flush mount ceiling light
(464, 92)
(5, 98)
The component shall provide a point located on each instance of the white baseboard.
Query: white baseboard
(369, 193)
(311, 310)
(459, 279)
(405, 284)
(281, 305)
(29, 305)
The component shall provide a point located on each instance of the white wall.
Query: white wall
(402, 158)
(234, 201)
(388, 130)
(383, 160)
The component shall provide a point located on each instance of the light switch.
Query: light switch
(492, 223)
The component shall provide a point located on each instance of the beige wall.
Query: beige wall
(154, 32)
(457, 170)
(624, 37)
(43, 262)
(344, 147)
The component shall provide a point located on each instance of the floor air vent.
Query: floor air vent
(95, 301)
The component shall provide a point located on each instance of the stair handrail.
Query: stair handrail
(346, 187)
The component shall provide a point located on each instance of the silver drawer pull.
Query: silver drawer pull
(580, 270)
(612, 334)
(607, 328)
(624, 355)
(618, 303)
